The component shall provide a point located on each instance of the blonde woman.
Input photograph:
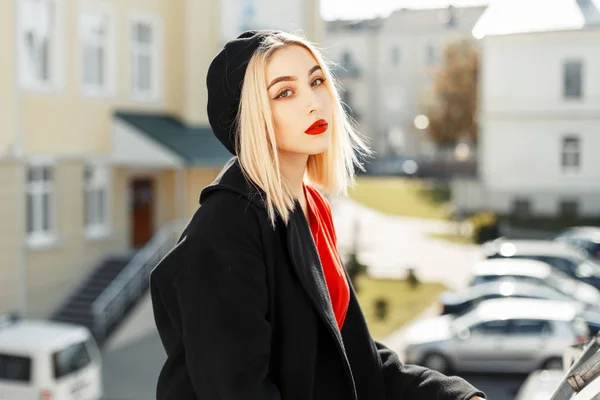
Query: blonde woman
(253, 302)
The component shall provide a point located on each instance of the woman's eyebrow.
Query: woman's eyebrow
(292, 78)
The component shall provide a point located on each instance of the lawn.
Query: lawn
(452, 238)
(404, 302)
(398, 196)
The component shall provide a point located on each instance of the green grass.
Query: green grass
(404, 302)
(452, 237)
(397, 196)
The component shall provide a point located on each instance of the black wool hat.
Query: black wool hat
(224, 81)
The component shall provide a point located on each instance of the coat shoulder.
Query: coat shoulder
(225, 220)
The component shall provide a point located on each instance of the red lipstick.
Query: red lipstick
(317, 128)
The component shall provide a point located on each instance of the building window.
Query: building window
(95, 194)
(395, 55)
(572, 79)
(346, 59)
(569, 208)
(571, 154)
(145, 36)
(40, 205)
(39, 42)
(521, 207)
(97, 50)
(430, 54)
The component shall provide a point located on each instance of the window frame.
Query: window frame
(109, 43)
(40, 238)
(100, 181)
(572, 166)
(570, 94)
(521, 206)
(154, 93)
(28, 77)
(395, 55)
(430, 54)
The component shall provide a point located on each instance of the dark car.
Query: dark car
(570, 260)
(584, 237)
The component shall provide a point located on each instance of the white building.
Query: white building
(297, 16)
(539, 137)
(389, 65)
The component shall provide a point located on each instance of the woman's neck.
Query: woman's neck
(292, 167)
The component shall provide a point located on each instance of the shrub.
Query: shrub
(484, 227)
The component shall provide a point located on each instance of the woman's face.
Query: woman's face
(300, 102)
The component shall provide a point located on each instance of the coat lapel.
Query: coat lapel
(303, 252)
(307, 264)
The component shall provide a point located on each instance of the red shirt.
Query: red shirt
(323, 232)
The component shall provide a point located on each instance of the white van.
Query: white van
(45, 360)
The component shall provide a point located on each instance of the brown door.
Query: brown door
(142, 196)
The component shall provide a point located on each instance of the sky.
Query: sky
(361, 9)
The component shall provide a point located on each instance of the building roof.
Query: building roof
(196, 145)
(505, 17)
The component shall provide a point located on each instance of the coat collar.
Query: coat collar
(302, 249)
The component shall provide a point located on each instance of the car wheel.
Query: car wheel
(553, 363)
(436, 362)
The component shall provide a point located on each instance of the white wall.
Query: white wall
(526, 154)
(524, 117)
(523, 73)
(289, 15)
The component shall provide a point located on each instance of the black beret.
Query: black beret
(224, 81)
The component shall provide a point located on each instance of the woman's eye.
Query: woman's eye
(283, 93)
(319, 80)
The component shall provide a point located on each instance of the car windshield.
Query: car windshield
(70, 359)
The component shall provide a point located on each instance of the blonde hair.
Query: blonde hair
(332, 171)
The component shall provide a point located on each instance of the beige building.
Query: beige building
(387, 65)
(104, 136)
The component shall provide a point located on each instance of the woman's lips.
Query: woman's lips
(318, 127)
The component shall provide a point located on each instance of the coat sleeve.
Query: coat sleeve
(416, 382)
(223, 300)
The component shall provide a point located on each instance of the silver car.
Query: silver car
(537, 272)
(499, 335)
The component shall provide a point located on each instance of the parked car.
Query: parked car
(499, 335)
(536, 272)
(584, 237)
(452, 302)
(458, 303)
(572, 261)
(48, 360)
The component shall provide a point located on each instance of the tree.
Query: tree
(452, 116)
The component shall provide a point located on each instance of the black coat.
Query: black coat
(243, 312)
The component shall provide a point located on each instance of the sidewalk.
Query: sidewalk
(391, 244)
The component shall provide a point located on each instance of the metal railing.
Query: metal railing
(129, 285)
(583, 371)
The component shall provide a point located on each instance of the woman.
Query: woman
(253, 302)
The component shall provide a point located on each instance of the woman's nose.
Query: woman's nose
(315, 103)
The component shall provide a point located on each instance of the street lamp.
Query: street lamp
(421, 122)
